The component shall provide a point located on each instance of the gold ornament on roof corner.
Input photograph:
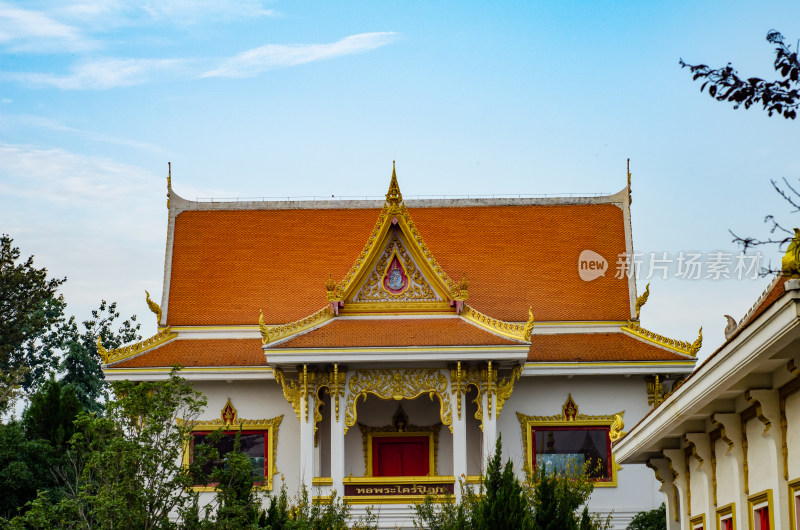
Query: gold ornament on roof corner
(393, 197)
(528, 330)
(641, 300)
(102, 351)
(697, 344)
(460, 289)
(154, 307)
(334, 293)
(263, 328)
(790, 264)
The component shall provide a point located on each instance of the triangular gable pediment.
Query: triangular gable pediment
(395, 271)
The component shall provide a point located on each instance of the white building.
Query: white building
(380, 357)
(725, 445)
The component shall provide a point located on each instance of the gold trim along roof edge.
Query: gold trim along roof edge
(509, 330)
(116, 355)
(678, 346)
(614, 364)
(192, 369)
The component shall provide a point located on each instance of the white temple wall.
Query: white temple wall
(761, 458)
(729, 477)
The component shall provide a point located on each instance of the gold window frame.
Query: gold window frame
(571, 417)
(794, 493)
(756, 500)
(724, 511)
(698, 520)
(229, 421)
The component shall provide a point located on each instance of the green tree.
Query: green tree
(544, 501)
(781, 97)
(51, 413)
(650, 520)
(504, 505)
(30, 308)
(81, 363)
(124, 469)
(25, 467)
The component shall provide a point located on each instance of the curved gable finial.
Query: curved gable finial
(393, 197)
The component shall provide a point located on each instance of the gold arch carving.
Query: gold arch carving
(398, 385)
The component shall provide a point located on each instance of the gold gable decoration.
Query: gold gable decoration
(395, 214)
(154, 307)
(417, 288)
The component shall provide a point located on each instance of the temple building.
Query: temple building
(378, 348)
(725, 444)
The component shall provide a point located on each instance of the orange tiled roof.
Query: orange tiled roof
(200, 352)
(228, 264)
(596, 347)
(380, 333)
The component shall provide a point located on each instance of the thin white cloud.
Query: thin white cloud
(20, 121)
(257, 60)
(176, 12)
(101, 74)
(24, 30)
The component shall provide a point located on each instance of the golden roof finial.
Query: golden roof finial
(394, 197)
(528, 329)
(790, 264)
(630, 199)
(169, 181)
(697, 344)
(640, 301)
(154, 307)
(101, 350)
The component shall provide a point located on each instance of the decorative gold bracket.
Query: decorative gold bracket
(291, 391)
(655, 390)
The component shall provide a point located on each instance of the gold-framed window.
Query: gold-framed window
(760, 511)
(726, 517)
(698, 522)
(258, 439)
(571, 440)
(794, 504)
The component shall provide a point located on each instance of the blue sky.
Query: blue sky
(252, 98)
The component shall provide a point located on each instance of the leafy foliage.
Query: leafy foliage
(542, 502)
(123, 470)
(650, 520)
(30, 307)
(81, 361)
(24, 467)
(781, 97)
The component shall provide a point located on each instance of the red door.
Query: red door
(399, 456)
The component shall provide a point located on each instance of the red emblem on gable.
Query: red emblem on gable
(395, 280)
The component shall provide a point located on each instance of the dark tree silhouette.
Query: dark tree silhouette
(781, 97)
